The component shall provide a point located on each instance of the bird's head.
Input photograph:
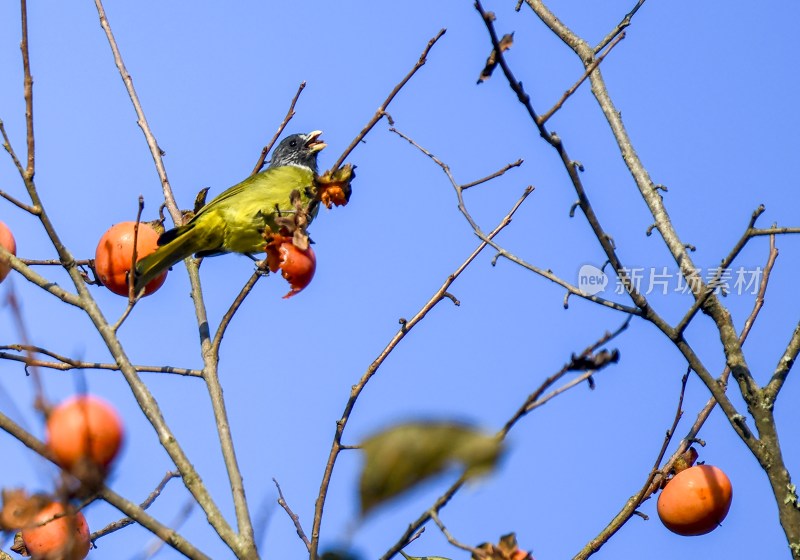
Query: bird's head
(299, 149)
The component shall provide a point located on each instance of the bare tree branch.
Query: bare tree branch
(530, 402)
(293, 516)
(237, 303)
(589, 69)
(655, 479)
(289, 114)
(626, 21)
(381, 112)
(169, 536)
(336, 446)
(724, 265)
(465, 186)
(586, 360)
(569, 164)
(451, 539)
(405, 327)
(10, 149)
(124, 522)
(65, 363)
(244, 542)
(155, 150)
(634, 502)
(765, 447)
(501, 250)
(30, 170)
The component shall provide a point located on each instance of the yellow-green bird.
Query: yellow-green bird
(235, 221)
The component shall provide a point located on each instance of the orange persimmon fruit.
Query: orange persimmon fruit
(84, 428)
(695, 501)
(114, 256)
(65, 537)
(297, 265)
(10, 245)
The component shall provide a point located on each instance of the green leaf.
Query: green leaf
(401, 457)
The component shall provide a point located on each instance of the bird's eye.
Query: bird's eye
(293, 143)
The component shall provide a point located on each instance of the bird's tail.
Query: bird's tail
(175, 245)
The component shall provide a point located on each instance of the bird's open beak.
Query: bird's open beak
(314, 143)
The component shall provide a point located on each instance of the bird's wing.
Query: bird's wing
(278, 182)
(233, 191)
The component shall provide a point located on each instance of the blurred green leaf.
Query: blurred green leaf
(407, 557)
(339, 555)
(405, 455)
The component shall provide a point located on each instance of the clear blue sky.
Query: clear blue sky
(708, 93)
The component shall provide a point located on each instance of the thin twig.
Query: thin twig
(418, 524)
(40, 401)
(451, 539)
(545, 273)
(762, 289)
(134, 252)
(494, 175)
(626, 21)
(226, 319)
(31, 209)
(792, 349)
(774, 231)
(53, 262)
(647, 488)
(545, 117)
(132, 297)
(30, 170)
(45, 283)
(155, 150)
(28, 178)
(667, 436)
(10, 149)
(289, 114)
(125, 521)
(293, 516)
(724, 265)
(588, 355)
(379, 114)
(585, 376)
(65, 363)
